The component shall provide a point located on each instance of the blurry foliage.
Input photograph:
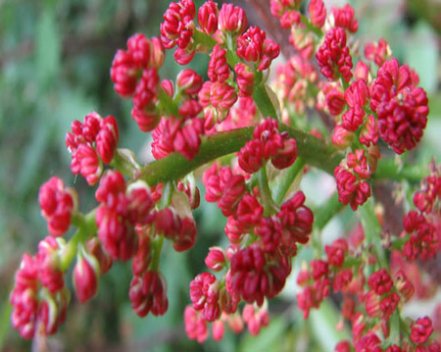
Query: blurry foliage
(55, 58)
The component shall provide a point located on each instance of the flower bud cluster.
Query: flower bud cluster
(39, 298)
(368, 300)
(323, 276)
(421, 226)
(364, 103)
(134, 73)
(268, 143)
(264, 228)
(92, 143)
(351, 177)
(262, 238)
(57, 204)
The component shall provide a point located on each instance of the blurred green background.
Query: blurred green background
(55, 58)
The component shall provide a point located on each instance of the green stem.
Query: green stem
(312, 150)
(265, 192)
(398, 243)
(311, 27)
(388, 169)
(157, 249)
(394, 322)
(167, 194)
(232, 59)
(175, 166)
(281, 188)
(86, 228)
(327, 211)
(263, 101)
(372, 231)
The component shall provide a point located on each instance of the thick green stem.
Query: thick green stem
(388, 169)
(314, 152)
(261, 97)
(281, 188)
(175, 166)
(263, 101)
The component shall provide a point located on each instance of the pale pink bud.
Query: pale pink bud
(215, 259)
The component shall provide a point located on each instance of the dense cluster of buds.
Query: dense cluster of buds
(252, 158)
(421, 226)
(39, 296)
(262, 236)
(268, 143)
(370, 302)
(57, 205)
(92, 143)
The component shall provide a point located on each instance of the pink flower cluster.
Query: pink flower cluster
(264, 230)
(217, 96)
(121, 209)
(333, 56)
(134, 73)
(351, 177)
(39, 297)
(421, 226)
(368, 301)
(400, 105)
(268, 143)
(92, 143)
(322, 276)
(57, 205)
(258, 260)
(364, 104)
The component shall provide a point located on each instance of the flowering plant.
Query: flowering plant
(254, 136)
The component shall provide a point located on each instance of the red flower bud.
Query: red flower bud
(57, 204)
(207, 17)
(232, 19)
(85, 277)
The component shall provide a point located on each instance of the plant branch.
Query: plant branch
(388, 169)
(281, 188)
(327, 211)
(175, 166)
